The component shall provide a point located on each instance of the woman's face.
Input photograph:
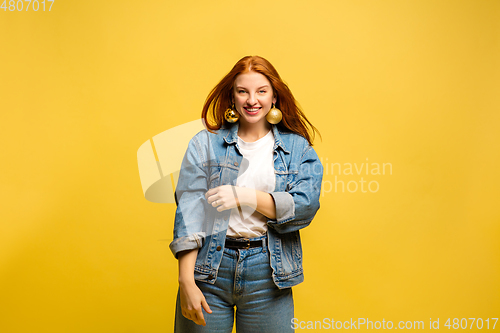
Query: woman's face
(253, 98)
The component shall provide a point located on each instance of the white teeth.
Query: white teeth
(252, 110)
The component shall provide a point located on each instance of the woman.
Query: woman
(246, 187)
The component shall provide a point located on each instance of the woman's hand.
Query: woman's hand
(227, 196)
(191, 297)
(192, 302)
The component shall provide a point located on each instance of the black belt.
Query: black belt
(243, 243)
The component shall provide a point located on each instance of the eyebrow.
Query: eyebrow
(240, 87)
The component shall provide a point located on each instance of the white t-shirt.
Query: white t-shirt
(260, 176)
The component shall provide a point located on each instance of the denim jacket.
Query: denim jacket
(214, 159)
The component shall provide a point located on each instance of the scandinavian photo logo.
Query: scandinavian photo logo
(353, 177)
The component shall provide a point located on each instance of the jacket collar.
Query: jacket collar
(232, 136)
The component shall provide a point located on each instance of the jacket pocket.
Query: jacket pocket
(291, 252)
(214, 179)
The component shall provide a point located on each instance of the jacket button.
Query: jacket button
(210, 276)
(219, 248)
(235, 163)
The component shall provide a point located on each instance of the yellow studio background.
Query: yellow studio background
(412, 84)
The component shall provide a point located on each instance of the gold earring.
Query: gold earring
(231, 115)
(274, 115)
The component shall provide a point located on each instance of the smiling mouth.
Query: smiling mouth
(252, 110)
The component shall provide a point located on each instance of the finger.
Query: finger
(212, 191)
(200, 320)
(212, 198)
(186, 314)
(205, 306)
(194, 317)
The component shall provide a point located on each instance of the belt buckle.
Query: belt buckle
(247, 244)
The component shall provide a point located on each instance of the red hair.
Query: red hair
(220, 98)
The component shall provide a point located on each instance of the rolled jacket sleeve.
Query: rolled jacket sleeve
(297, 206)
(190, 192)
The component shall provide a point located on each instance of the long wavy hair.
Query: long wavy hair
(221, 96)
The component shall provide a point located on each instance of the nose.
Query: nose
(251, 99)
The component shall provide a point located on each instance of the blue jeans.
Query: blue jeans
(244, 281)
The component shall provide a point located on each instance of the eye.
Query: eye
(262, 91)
(241, 91)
